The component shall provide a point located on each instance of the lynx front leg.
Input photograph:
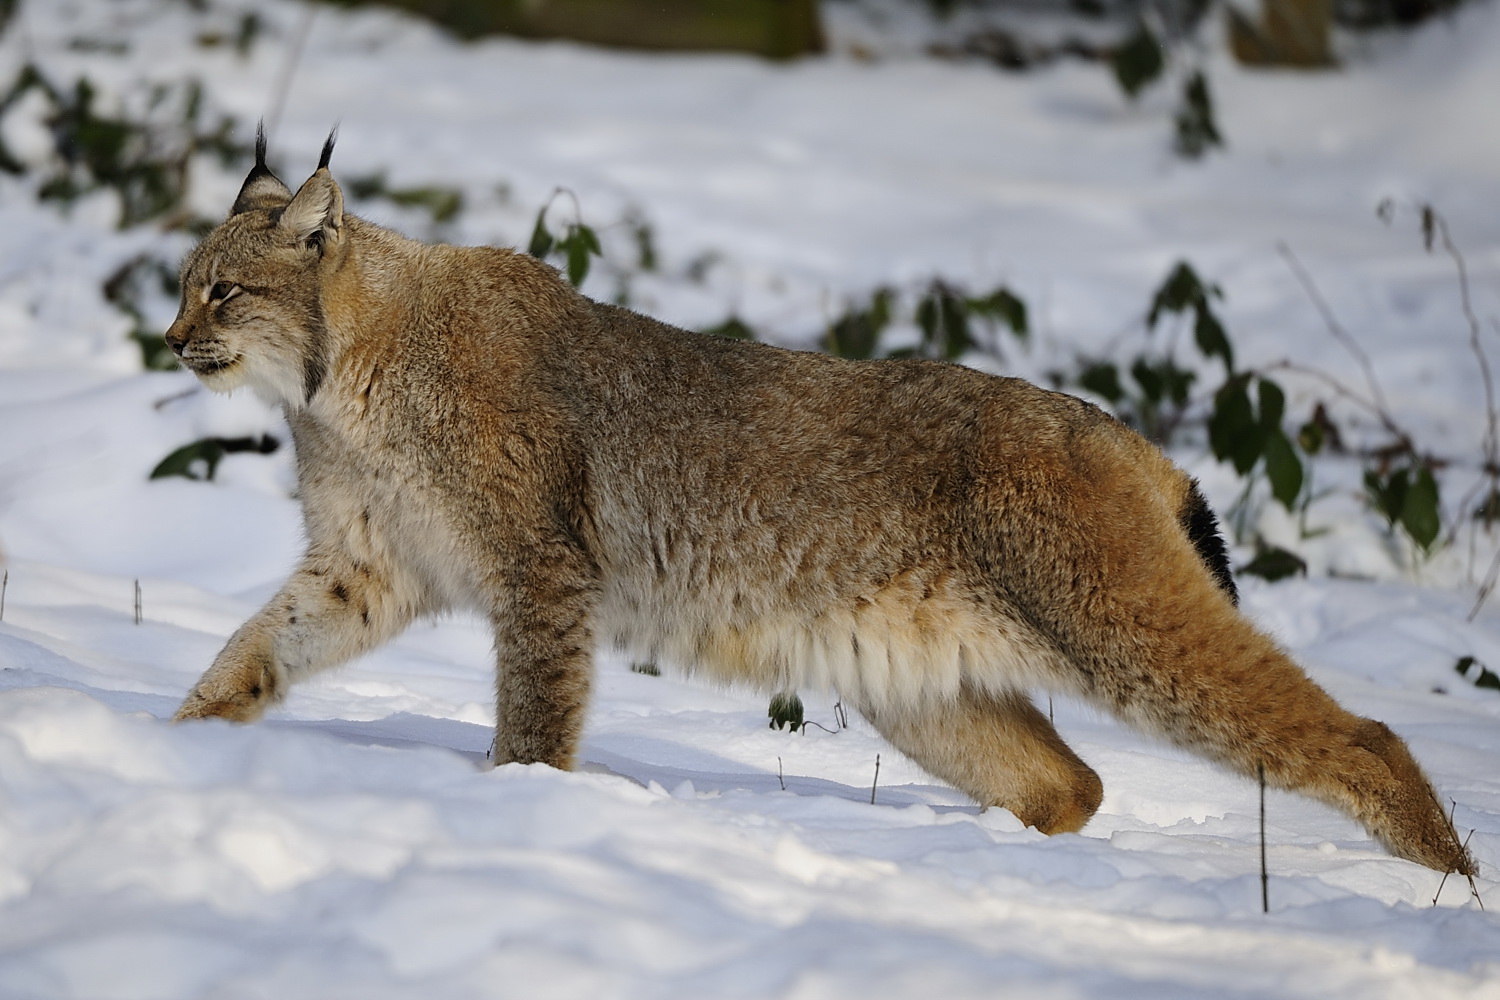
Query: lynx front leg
(1001, 751)
(544, 662)
(331, 610)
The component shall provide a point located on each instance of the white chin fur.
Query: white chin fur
(275, 384)
(223, 381)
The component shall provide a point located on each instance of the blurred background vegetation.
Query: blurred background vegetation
(1271, 32)
(778, 29)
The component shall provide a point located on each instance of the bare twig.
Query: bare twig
(1473, 888)
(572, 196)
(1265, 880)
(1440, 888)
(779, 776)
(175, 397)
(1486, 587)
(138, 602)
(1463, 849)
(1341, 390)
(1433, 221)
(876, 781)
(1340, 334)
(1435, 230)
(289, 68)
(4, 586)
(1453, 808)
(1491, 437)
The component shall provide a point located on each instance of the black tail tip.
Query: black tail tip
(1202, 528)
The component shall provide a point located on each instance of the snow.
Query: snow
(354, 845)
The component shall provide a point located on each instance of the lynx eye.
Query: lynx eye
(221, 291)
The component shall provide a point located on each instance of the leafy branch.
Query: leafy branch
(577, 244)
(144, 160)
(949, 319)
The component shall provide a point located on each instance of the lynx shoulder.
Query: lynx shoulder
(929, 541)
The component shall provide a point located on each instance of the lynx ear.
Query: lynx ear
(262, 189)
(316, 214)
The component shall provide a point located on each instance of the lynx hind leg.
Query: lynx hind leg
(1153, 636)
(1001, 751)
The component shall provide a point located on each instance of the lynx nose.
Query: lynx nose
(177, 337)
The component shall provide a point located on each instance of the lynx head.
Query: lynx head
(251, 312)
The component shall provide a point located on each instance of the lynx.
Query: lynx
(929, 541)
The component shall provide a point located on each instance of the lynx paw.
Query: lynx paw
(244, 707)
(239, 696)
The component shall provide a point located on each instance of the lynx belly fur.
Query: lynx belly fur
(929, 541)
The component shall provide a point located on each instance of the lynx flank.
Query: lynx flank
(929, 541)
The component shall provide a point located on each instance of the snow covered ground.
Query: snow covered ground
(353, 846)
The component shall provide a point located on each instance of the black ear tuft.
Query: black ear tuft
(260, 146)
(262, 189)
(333, 136)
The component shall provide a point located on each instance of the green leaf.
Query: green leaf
(442, 202)
(1272, 404)
(1283, 469)
(1388, 495)
(785, 711)
(1311, 437)
(1477, 673)
(364, 186)
(943, 316)
(645, 245)
(927, 318)
(1196, 128)
(1102, 379)
(1272, 563)
(541, 238)
(578, 245)
(734, 328)
(856, 334)
(1003, 306)
(1138, 61)
(1181, 291)
(590, 239)
(1149, 379)
(1232, 420)
(1248, 448)
(1179, 381)
(1209, 334)
(155, 354)
(880, 307)
(197, 461)
(249, 29)
(578, 261)
(1420, 516)
(8, 161)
